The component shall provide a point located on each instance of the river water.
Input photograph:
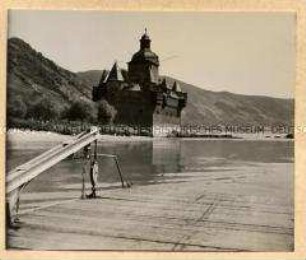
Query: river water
(144, 161)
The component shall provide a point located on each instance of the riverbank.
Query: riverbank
(31, 139)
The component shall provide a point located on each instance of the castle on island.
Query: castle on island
(140, 96)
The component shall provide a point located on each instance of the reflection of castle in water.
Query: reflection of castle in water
(142, 160)
(139, 95)
(166, 156)
(145, 160)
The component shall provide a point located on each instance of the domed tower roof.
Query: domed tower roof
(145, 40)
(145, 54)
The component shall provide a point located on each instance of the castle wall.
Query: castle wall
(133, 108)
(145, 109)
(165, 121)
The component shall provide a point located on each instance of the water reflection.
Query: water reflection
(166, 156)
(145, 160)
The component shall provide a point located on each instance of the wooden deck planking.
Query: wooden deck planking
(250, 210)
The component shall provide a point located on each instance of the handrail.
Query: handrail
(23, 174)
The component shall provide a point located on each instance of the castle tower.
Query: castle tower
(139, 96)
(143, 67)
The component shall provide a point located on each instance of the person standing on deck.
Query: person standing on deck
(94, 171)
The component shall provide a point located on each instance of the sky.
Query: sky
(245, 53)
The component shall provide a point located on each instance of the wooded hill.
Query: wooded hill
(34, 80)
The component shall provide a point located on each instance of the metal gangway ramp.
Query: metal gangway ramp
(19, 177)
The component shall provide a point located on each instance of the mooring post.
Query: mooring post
(83, 179)
(86, 158)
(86, 151)
(95, 150)
(12, 207)
(8, 218)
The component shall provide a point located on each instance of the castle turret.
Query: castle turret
(145, 41)
(143, 67)
(176, 87)
(115, 74)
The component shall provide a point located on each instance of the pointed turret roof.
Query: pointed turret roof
(164, 84)
(176, 87)
(115, 74)
(103, 77)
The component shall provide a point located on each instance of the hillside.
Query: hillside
(223, 108)
(32, 76)
(212, 108)
(90, 77)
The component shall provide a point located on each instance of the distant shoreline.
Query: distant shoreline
(32, 139)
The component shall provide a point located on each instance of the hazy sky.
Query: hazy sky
(247, 53)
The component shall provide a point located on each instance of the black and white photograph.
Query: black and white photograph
(150, 131)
